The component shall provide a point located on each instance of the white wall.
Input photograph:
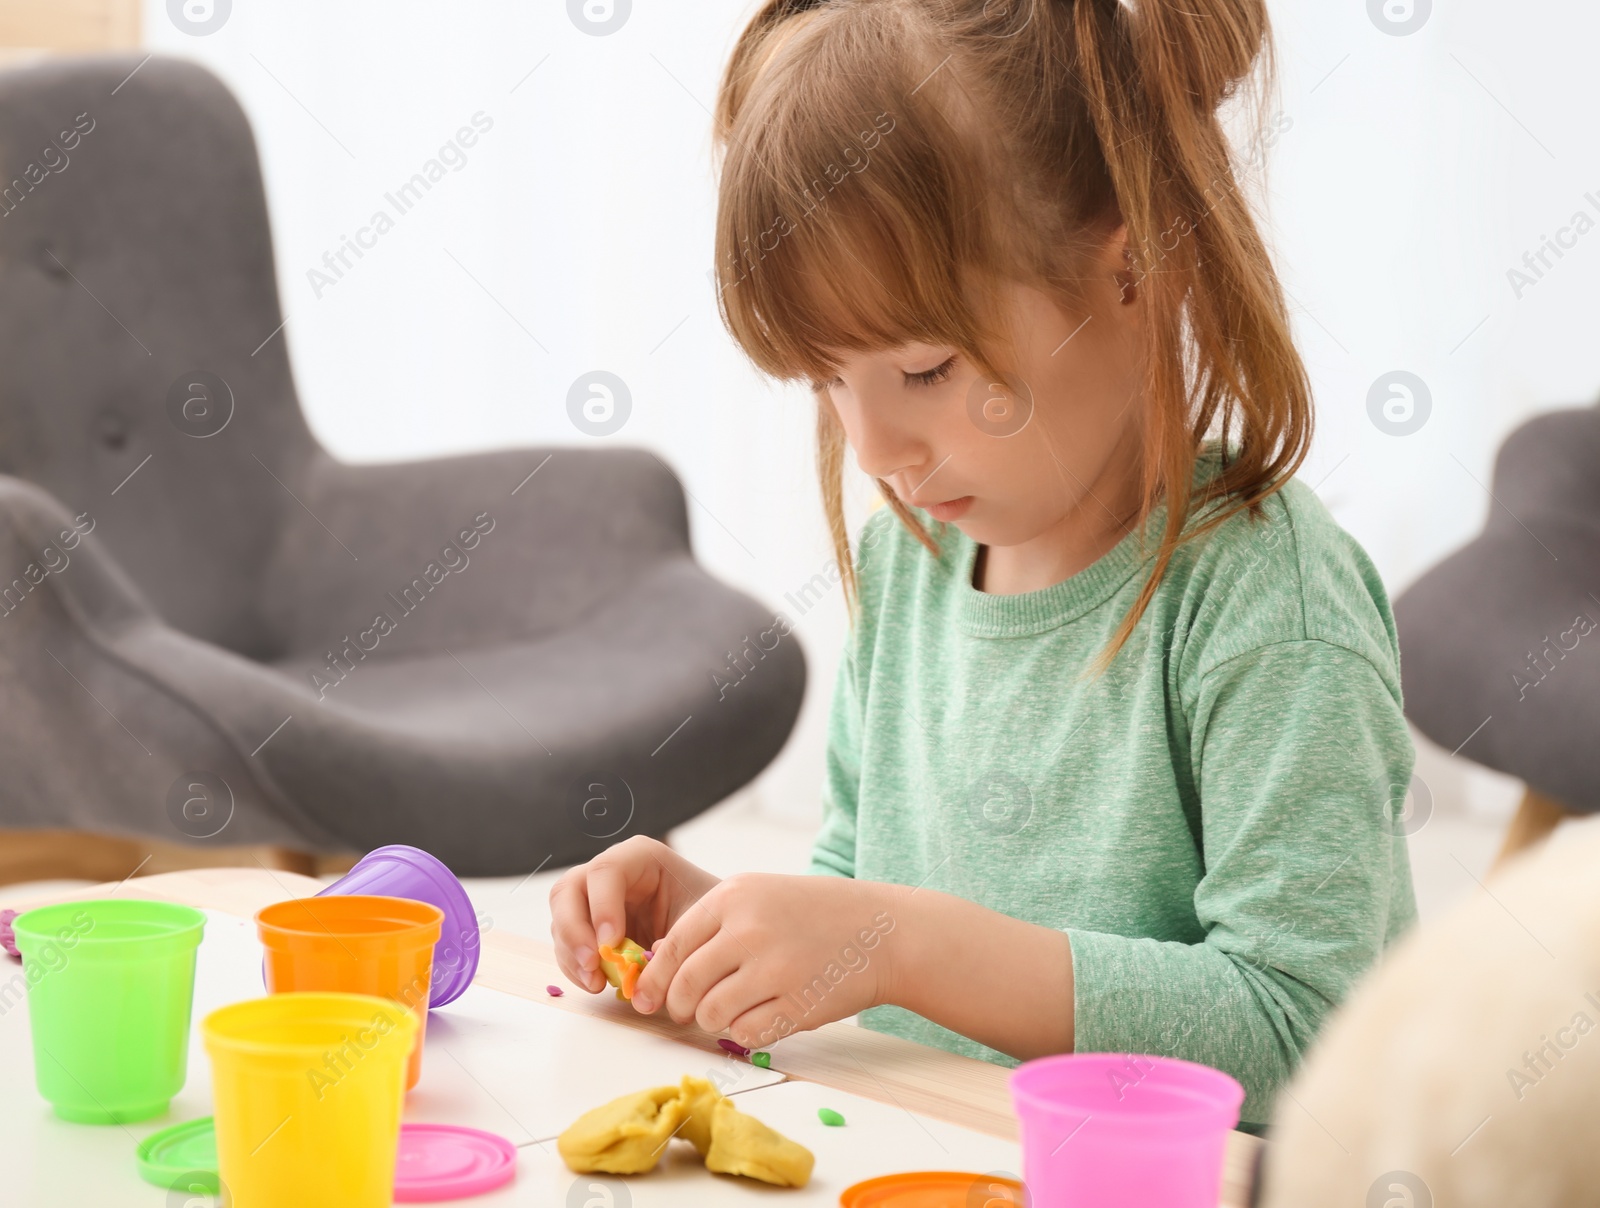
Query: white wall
(1415, 176)
(1409, 181)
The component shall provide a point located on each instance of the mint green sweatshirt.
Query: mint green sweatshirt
(1214, 823)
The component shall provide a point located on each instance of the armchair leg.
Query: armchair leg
(1533, 823)
(58, 855)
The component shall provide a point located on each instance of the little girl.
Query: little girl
(1116, 753)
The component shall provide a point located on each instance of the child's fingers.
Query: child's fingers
(569, 915)
(713, 964)
(685, 937)
(729, 996)
(762, 1025)
(608, 901)
(572, 933)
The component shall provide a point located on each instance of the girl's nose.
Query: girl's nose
(882, 448)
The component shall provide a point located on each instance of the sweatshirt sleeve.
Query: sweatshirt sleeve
(834, 851)
(1294, 747)
(835, 848)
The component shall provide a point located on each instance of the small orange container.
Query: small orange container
(360, 944)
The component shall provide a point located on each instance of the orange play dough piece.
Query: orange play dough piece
(622, 966)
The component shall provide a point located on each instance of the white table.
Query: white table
(518, 1063)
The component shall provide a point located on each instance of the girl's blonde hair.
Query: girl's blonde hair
(887, 165)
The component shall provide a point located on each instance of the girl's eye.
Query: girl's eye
(932, 377)
(928, 377)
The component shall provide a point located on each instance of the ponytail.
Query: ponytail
(1221, 353)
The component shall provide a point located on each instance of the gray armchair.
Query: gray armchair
(214, 632)
(1500, 642)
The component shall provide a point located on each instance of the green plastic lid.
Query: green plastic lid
(181, 1158)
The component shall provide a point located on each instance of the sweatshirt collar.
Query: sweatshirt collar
(986, 615)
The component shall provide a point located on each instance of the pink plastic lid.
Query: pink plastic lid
(445, 1162)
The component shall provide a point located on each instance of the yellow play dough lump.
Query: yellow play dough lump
(629, 1135)
(741, 1144)
(626, 1136)
(699, 1099)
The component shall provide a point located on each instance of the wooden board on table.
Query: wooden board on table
(874, 1065)
(241, 891)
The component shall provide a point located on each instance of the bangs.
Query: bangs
(852, 215)
(840, 286)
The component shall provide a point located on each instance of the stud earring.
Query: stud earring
(1130, 292)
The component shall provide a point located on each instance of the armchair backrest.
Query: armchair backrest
(1549, 467)
(138, 312)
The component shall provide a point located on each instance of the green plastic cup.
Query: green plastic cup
(110, 986)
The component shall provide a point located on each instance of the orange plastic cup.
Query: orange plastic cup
(360, 944)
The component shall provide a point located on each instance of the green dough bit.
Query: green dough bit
(764, 1060)
(829, 1117)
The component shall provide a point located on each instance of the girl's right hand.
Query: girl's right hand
(636, 889)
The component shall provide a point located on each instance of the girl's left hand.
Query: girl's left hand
(761, 956)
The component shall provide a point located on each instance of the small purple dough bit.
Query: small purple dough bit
(649, 952)
(734, 1047)
(554, 991)
(8, 940)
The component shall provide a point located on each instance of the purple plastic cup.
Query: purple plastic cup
(399, 871)
(1102, 1130)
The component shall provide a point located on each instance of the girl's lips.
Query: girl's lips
(953, 509)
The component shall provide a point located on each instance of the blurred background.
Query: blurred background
(1407, 175)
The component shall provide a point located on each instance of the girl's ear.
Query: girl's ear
(1125, 283)
(1118, 260)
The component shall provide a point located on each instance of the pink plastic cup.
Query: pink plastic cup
(1104, 1130)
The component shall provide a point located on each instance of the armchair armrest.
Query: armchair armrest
(43, 545)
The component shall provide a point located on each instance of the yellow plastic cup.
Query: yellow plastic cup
(308, 1090)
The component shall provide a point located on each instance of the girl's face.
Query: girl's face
(1004, 470)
